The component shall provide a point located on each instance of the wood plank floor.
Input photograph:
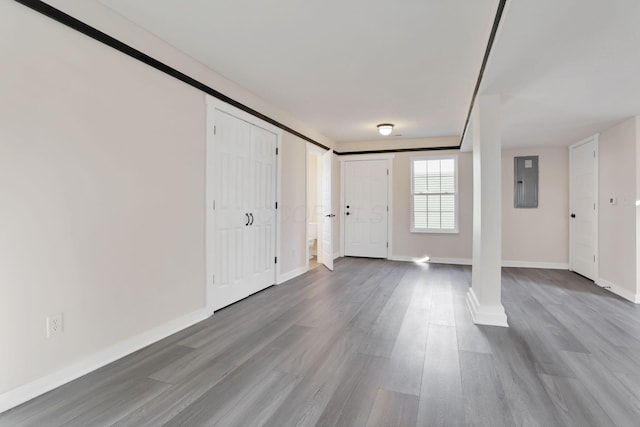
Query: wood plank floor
(376, 343)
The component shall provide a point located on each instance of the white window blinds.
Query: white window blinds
(434, 194)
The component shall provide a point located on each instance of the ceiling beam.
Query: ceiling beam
(74, 23)
(487, 52)
(94, 33)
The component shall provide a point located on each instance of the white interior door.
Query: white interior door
(262, 210)
(325, 240)
(584, 208)
(366, 185)
(244, 225)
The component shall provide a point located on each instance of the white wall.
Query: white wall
(530, 236)
(416, 245)
(102, 172)
(537, 236)
(617, 223)
(408, 245)
(102, 207)
(312, 188)
(104, 19)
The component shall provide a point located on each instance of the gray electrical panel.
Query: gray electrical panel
(525, 182)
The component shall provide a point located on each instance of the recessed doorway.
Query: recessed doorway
(320, 215)
(366, 201)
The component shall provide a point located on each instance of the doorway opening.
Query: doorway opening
(320, 214)
(313, 206)
(366, 198)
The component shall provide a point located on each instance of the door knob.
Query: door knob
(329, 215)
(251, 223)
(573, 215)
(247, 223)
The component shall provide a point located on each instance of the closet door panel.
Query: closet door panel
(233, 163)
(264, 197)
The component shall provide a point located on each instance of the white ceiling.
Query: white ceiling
(341, 66)
(565, 69)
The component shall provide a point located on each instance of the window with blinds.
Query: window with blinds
(434, 194)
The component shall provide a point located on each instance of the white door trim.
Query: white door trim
(277, 251)
(326, 215)
(593, 138)
(210, 176)
(365, 157)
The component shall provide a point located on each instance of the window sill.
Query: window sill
(434, 231)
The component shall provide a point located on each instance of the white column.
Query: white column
(637, 292)
(483, 298)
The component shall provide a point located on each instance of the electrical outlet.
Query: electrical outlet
(54, 325)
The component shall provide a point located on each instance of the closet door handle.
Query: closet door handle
(251, 219)
(247, 223)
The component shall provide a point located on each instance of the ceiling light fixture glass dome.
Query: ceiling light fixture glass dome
(385, 129)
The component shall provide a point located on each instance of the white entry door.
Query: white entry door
(243, 235)
(326, 210)
(584, 208)
(366, 208)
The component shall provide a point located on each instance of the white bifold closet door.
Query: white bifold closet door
(245, 214)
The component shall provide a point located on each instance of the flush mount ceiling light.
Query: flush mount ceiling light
(385, 129)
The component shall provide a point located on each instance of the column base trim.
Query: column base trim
(491, 315)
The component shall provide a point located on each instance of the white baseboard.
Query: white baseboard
(457, 261)
(491, 315)
(618, 290)
(97, 360)
(291, 274)
(533, 264)
(467, 261)
(402, 258)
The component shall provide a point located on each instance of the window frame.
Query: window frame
(456, 213)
